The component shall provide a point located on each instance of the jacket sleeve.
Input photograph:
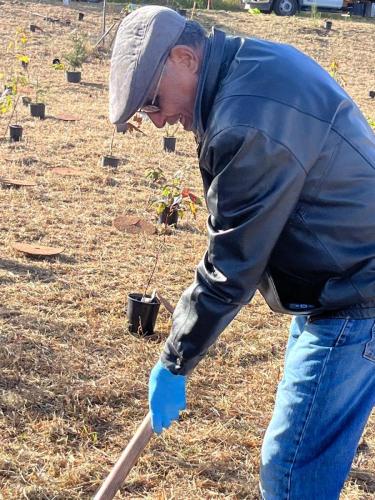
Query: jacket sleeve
(256, 183)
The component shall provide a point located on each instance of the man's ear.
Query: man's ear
(186, 56)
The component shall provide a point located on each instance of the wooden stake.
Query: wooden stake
(126, 461)
(104, 10)
(105, 34)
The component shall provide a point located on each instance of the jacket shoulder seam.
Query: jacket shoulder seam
(279, 101)
(354, 147)
(265, 134)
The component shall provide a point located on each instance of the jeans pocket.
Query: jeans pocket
(369, 352)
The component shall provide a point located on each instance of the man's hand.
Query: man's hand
(166, 397)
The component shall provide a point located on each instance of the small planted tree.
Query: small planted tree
(12, 80)
(76, 57)
(169, 139)
(109, 160)
(8, 105)
(174, 199)
(38, 106)
(143, 308)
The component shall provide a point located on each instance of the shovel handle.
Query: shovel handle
(126, 461)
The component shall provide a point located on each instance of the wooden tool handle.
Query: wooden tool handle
(126, 461)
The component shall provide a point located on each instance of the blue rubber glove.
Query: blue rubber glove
(166, 397)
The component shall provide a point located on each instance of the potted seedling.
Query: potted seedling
(38, 108)
(8, 104)
(15, 129)
(142, 311)
(10, 96)
(174, 200)
(75, 58)
(143, 308)
(328, 25)
(169, 139)
(372, 94)
(109, 160)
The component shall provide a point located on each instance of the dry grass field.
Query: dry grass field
(73, 381)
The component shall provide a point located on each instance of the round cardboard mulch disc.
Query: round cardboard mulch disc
(16, 182)
(66, 117)
(37, 250)
(66, 171)
(133, 224)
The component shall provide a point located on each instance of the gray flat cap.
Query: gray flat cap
(143, 42)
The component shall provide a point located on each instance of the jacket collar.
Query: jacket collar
(208, 80)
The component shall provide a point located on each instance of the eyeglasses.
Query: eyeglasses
(153, 107)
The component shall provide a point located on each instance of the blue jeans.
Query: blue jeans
(322, 405)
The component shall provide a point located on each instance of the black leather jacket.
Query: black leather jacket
(288, 166)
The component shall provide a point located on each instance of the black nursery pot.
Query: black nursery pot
(15, 133)
(372, 94)
(169, 144)
(38, 110)
(182, 12)
(81, 15)
(142, 315)
(33, 28)
(328, 25)
(110, 161)
(24, 64)
(167, 217)
(26, 100)
(73, 76)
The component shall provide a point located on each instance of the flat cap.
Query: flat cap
(143, 42)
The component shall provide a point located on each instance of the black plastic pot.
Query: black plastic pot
(328, 25)
(56, 61)
(26, 100)
(73, 76)
(182, 12)
(15, 133)
(81, 15)
(169, 144)
(167, 217)
(33, 28)
(110, 161)
(142, 315)
(24, 64)
(372, 94)
(38, 110)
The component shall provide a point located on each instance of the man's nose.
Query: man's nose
(157, 119)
